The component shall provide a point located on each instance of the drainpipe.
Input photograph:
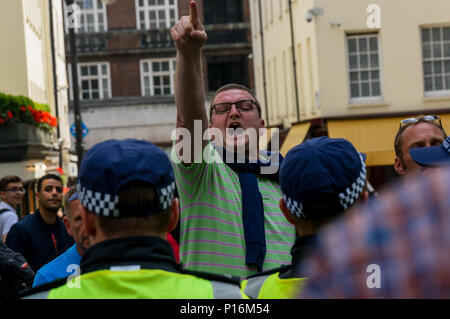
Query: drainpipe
(55, 80)
(76, 95)
(263, 62)
(294, 62)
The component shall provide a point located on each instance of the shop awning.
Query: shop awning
(374, 137)
(445, 119)
(296, 135)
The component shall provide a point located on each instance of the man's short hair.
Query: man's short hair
(8, 179)
(136, 194)
(398, 139)
(45, 177)
(231, 87)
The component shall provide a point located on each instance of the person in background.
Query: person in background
(15, 273)
(42, 236)
(321, 179)
(11, 194)
(415, 132)
(63, 265)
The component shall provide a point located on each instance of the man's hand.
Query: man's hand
(188, 33)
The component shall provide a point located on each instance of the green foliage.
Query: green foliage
(21, 109)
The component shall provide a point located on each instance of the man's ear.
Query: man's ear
(286, 212)
(398, 166)
(67, 224)
(89, 221)
(175, 215)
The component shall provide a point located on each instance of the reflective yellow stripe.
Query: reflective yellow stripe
(141, 284)
(276, 288)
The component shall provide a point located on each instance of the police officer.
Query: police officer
(126, 189)
(320, 179)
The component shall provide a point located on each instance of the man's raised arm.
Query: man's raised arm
(189, 37)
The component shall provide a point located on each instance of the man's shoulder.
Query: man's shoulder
(26, 222)
(60, 263)
(7, 215)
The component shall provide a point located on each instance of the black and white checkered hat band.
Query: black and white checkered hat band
(352, 193)
(294, 207)
(107, 204)
(166, 195)
(346, 198)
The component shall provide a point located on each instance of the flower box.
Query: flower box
(22, 141)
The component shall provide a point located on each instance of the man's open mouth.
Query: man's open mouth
(235, 129)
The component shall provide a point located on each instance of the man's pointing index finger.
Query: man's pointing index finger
(193, 13)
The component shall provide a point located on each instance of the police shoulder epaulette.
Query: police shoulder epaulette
(44, 287)
(209, 276)
(280, 269)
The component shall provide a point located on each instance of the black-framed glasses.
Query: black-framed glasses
(16, 189)
(243, 106)
(427, 118)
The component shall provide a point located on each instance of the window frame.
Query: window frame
(435, 93)
(150, 74)
(95, 11)
(146, 9)
(371, 98)
(100, 77)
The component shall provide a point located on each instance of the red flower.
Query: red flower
(9, 114)
(2, 121)
(23, 108)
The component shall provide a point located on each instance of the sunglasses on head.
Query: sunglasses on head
(427, 118)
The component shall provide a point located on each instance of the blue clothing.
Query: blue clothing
(38, 241)
(57, 268)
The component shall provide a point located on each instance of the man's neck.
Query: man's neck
(80, 250)
(49, 217)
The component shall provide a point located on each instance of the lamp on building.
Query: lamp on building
(314, 12)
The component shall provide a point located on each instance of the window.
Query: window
(436, 60)
(92, 16)
(157, 77)
(220, 11)
(93, 81)
(364, 67)
(156, 14)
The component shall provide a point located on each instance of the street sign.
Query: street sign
(84, 130)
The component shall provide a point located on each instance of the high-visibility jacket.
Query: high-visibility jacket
(271, 286)
(284, 282)
(139, 267)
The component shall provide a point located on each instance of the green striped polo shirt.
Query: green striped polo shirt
(212, 233)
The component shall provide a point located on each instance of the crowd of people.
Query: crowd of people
(304, 230)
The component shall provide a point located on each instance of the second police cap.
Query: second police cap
(322, 165)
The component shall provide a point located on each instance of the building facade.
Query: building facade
(351, 69)
(126, 63)
(30, 31)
